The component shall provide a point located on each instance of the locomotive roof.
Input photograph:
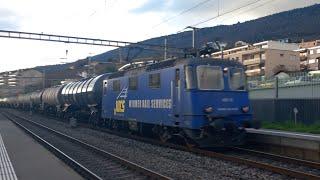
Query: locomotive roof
(175, 62)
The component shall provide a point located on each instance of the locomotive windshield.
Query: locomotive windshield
(209, 77)
(236, 79)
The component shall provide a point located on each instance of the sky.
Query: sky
(122, 20)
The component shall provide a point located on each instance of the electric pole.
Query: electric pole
(193, 35)
(165, 48)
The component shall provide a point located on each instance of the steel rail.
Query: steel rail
(86, 173)
(142, 170)
(256, 164)
(312, 164)
(235, 159)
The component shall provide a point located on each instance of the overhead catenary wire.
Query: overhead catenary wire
(181, 13)
(177, 15)
(227, 12)
(253, 8)
(222, 14)
(236, 9)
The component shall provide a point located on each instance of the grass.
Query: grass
(290, 126)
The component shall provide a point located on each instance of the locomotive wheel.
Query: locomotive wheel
(94, 119)
(164, 135)
(162, 138)
(114, 125)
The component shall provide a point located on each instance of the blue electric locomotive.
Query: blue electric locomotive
(202, 100)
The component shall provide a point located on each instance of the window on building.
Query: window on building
(133, 83)
(293, 57)
(154, 80)
(281, 55)
(318, 51)
(311, 61)
(311, 51)
(116, 85)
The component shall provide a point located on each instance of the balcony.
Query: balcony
(253, 72)
(252, 61)
(253, 51)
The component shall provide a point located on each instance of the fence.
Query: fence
(278, 99)
(301, 86)
(280, 110)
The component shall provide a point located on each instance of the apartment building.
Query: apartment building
(309, 55)
(264, 58)
(20, 81)
(309, 44)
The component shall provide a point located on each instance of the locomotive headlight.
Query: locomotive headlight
(208, 110)
(245, 109)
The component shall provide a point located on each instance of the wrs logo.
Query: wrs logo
(120, 106)
(120, 101)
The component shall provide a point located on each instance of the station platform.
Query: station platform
(21, 157)
(295, 144)
(288, 134)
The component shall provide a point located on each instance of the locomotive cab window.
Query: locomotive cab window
(154, 80)
(116, 85)
(209, 77)
(133, 83)
(236, 79)
(190, 78)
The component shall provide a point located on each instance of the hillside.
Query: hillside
(297, 24)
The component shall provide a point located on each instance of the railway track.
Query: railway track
(302, 173)
(89, 161)
(301, 162)
(262, 164)
(240, 159)
(310, 170)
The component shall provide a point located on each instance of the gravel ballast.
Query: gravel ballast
(170, 162)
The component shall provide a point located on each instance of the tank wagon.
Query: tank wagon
(51, 100)
(36, 100)
(200, 100)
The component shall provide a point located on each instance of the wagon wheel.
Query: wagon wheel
(190, 144)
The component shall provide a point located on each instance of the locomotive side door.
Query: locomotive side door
(176, 96)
